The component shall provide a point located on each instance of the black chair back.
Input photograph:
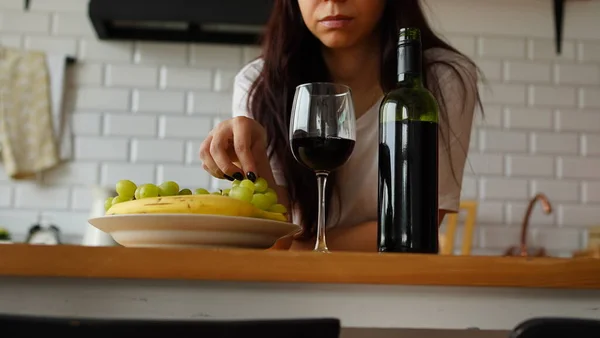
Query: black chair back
(16, 326)
(557, 327)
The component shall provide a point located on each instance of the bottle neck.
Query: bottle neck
(410, 64)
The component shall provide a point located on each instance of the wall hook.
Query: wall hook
(559, 15)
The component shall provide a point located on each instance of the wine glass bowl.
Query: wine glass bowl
(322, 136)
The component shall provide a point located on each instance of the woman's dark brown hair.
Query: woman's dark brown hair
(292, 56)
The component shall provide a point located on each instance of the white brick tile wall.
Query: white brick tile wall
(157, 151)
(556, 190)
(528, 71)
(572, 74)
(590, 145)
(499, 47)
(30, 196)
(6, 196)
(545, 49)
(527, 165)
(21, 22)
(71, 24)
(59, 5)
(590, 97)
(130, 125)
(86, 124)
(103, 99)
(185, 78)
(81, 198)
(11, 4)
(52, 44)
(211, 103)
(579, 167)
(161, 53)
(576, 120)
(154, 101)
(131, 76)
(185, 127)
(12, 41)
(211, 56)
(528, 118)
(503, 93)
(112, 172)
(554, 143)
(139, 111)
(552, 96)
(503, 189)
(101, 148)
(90, 49)
(83, 74)
(589, 51)
(496, 140)
(187, 176)
(591, 192)
(83, 173)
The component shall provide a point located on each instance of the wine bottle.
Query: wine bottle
(408, 157)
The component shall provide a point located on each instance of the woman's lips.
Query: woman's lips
(335, 21)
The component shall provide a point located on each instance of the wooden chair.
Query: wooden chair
(447, 238)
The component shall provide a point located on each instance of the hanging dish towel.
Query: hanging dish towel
(26, 126)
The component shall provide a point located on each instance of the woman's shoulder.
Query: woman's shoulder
(249, 73)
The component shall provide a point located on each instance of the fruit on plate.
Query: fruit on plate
(245, 198)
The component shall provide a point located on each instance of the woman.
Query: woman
(352, 42)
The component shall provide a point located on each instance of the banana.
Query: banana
(193, 204)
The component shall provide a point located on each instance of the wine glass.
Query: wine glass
(322, 136)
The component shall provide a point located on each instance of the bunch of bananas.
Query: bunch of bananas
(245, 199)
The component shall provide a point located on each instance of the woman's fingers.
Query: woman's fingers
(242, 145)
(219, 151)
(208, 162)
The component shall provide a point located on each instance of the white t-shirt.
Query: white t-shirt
(358, 200)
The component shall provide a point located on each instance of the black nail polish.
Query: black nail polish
(228, 177)
(238, 176)
(251, 176)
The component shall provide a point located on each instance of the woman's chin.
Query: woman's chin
(338, 41)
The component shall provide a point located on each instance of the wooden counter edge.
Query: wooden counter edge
(303, 267)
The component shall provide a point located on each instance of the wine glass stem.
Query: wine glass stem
(321, 243)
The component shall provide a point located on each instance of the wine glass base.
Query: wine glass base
(321, 250)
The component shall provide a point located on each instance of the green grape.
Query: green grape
(168, 188)
(185, 191)
(261, 201)
(248, 185)
(235, 183)
(217, 193)
(241, 193)
(137, 192)
(120, 199)
(108, 203)
(202, 191)
(261, 185)
(148, 190)
(272, 195)
(278, 208)
(125, 188)
(226, 192)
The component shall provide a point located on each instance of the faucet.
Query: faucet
(522, 250)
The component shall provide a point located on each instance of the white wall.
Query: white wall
(139, 111)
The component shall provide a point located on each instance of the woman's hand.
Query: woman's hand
(233, 148)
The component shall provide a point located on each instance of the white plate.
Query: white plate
(191, 230)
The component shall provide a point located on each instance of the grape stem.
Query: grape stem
(321, 243)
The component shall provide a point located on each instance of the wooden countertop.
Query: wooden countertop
(20, 260)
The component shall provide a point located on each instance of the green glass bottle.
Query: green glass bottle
(408, 157)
